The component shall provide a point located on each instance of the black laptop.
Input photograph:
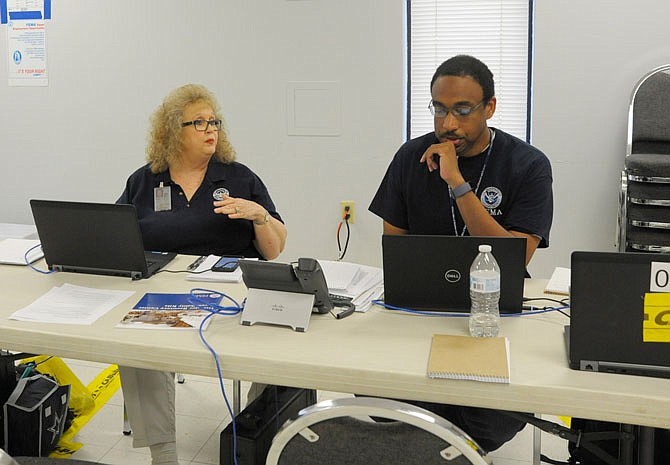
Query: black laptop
(433, 272)
(95, 238)
(608, 319)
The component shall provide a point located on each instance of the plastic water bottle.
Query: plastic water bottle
(484, 294)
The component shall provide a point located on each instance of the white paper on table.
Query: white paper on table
(367, 278)
(17, 231)
(71, 304)
(365, 285)
(559, 283)
(363, 301)
(13, 251)
(339, 275)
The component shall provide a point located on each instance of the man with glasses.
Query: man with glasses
(468, 179)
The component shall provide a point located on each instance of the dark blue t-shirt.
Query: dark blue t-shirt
(192, 227)
(515, 188)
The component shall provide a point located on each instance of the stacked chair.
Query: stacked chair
(644, 200)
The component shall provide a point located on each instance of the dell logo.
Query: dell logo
(453, 276)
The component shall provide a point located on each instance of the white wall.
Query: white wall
(111, 63)
(588, 57)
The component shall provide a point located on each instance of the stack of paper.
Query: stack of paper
(361, 283)
(71, 304)
(13, 251)
(559, 282)
(204, 273)
(17, 231)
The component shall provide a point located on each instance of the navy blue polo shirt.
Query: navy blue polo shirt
(515, 189)
(192, 227)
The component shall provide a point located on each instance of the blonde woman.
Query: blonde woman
(192, 197)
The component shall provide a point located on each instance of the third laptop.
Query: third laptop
(611, 329)
(433, 272)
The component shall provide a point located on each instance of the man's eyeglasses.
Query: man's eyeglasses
(459, 111)
(203, 124)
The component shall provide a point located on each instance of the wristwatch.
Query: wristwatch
(461, 190)
(266, 219)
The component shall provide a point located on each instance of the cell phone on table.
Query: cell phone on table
(226, 264)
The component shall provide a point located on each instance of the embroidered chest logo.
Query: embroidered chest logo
(491, 198)
(220, 193)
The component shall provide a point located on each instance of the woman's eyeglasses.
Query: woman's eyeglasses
(203, 124)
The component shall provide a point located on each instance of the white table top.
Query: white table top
(381, 352)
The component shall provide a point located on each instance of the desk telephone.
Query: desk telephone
(305, 277)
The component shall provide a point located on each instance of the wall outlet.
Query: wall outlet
(343, 205)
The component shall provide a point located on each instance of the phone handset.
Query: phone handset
(313, 281)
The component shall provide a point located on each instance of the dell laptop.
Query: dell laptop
(94, 238)
(611, 329)
(433, 272)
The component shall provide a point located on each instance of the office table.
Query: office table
(380, 353)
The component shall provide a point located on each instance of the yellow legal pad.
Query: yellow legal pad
(472, 358)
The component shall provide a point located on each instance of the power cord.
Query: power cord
(565, 303)
(345, 221)
(30, 265)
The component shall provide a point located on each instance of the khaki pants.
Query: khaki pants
(149, 396)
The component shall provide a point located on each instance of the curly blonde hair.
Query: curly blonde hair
(165, 136)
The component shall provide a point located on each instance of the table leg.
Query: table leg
(646, 450)
(626, 452)
(236, 397)
(537, 443)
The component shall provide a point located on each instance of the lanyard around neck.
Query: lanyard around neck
(479, 182)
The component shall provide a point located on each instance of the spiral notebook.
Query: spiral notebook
(472, 358)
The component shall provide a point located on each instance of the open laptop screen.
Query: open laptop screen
(93, 238)
(433, 272)
(607, 298)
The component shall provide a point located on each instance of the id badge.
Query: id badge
(162, 198)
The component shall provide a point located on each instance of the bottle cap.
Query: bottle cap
(484, 248)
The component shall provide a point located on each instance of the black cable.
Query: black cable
(346, 304)
(45, 360)
(561, 301)
(564, 302)
(339, 246)
(346, 243)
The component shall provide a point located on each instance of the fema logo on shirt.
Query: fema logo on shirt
(491, 198)
(220, 193)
